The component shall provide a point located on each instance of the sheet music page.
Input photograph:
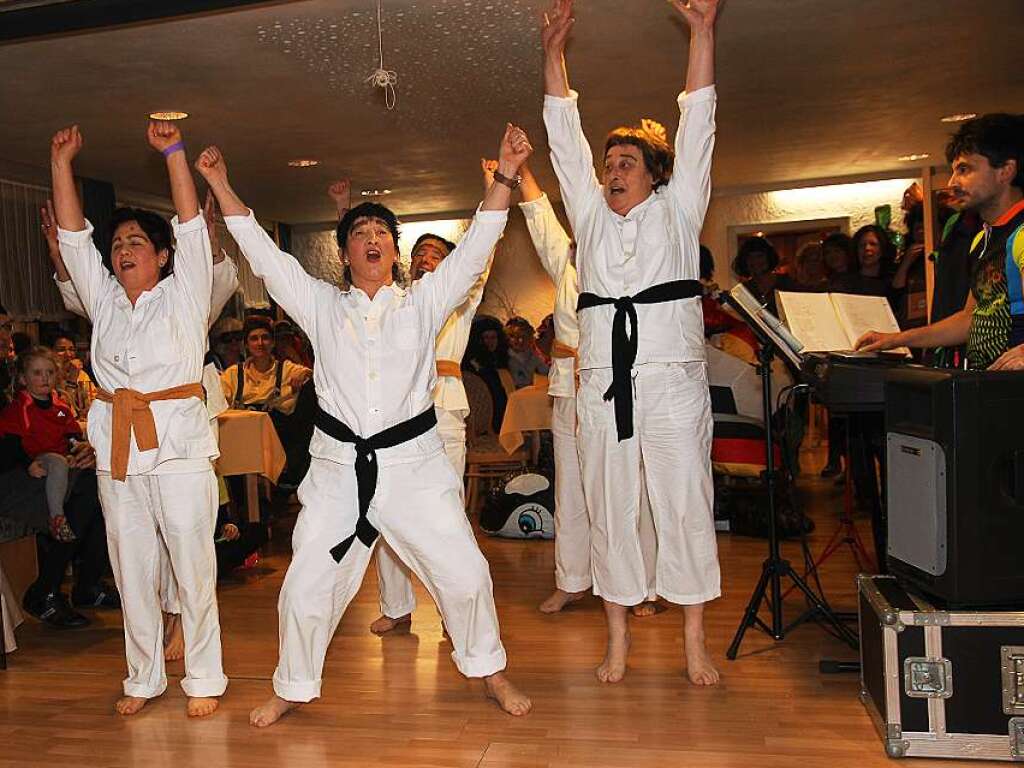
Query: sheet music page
(812, 318)
(860, 314)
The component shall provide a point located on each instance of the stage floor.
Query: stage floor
(400, 701)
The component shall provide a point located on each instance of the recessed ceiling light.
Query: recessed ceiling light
(959, 117)
(168, 115)
(375, 192)
(303, 163)
(911, 158)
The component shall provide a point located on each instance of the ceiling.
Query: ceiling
(808, 89)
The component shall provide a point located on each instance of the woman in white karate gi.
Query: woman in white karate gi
(643, 404)
(375, 367)
(397, 598)
(149, 424)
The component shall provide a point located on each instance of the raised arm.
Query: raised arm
(82, 261)
(571, 155)
(695, 137)
(452, 282)
(340, 192)
(165, 137)
(554, 34)
(701, 16)
(290, 285)
(546, 232)
(225, 272)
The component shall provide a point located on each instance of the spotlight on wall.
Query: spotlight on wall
(959, 117)
(169, 114)
(912, 158)
(374, 192)
(303, 163)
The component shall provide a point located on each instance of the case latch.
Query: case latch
(925, 678)
(1017, 738)
(1012, 664)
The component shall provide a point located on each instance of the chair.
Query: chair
(486, 460)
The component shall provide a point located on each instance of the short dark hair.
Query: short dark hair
(521, 323)
(366, 211)
(998, 136)
(707, 263)
(448, 244)
(256, 323)
(658, 155)
(21, 341)
(156, 228)
(751, 245)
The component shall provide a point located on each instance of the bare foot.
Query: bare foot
(201, 706)
(559, 599)
(509, 698)
(647, 608)
(271, 711)
(384, 625)
(129, 705)
(699, 668)
(613, 668)
(174, 638)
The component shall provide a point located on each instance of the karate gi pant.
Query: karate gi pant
(670, 455)
(144, 514)
(397, 598)
(419, 512)
(572, 520)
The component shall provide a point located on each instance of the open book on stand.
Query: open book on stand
(832, 322)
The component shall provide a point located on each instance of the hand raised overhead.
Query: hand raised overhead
(162, 134)
(65, 144)
(555, 30)
(341, 192)
(211, 165)
(701, 15)
(488, 167)
(515, 148)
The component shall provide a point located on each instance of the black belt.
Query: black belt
(366, 463)
(624, 344)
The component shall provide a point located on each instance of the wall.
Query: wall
(855, 202)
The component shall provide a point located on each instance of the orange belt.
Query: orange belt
(558, 349)
(132, 414)
(449, 368)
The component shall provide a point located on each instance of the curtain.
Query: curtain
(27, 289)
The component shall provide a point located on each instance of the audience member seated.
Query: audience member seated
(874, 257)
(524, 358)
(34, 445)
(264, 383)
(837, 253)
(486, 355)
(291, 344)
(809, 274)
(546, 338)
(756, 265)
(73, 383)
(236, 541)
(46, 428)
(6, 367)
(226, 343)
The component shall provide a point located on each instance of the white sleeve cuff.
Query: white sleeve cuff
(707, 93)
(75, 238)
(241, 221)
(561, 101)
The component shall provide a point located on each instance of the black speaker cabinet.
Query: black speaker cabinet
(955, 484)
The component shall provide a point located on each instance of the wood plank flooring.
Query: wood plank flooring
(400, 701)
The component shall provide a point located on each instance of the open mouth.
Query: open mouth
(373, 255)
(615, 189)
(126, 265)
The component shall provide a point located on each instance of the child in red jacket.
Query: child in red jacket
(45, 427)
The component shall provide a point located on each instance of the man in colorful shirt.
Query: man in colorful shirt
(987, 155)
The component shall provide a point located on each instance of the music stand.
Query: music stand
(773, 337)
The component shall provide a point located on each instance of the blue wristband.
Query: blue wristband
(179, 147)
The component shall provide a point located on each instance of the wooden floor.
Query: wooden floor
(401, 702)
